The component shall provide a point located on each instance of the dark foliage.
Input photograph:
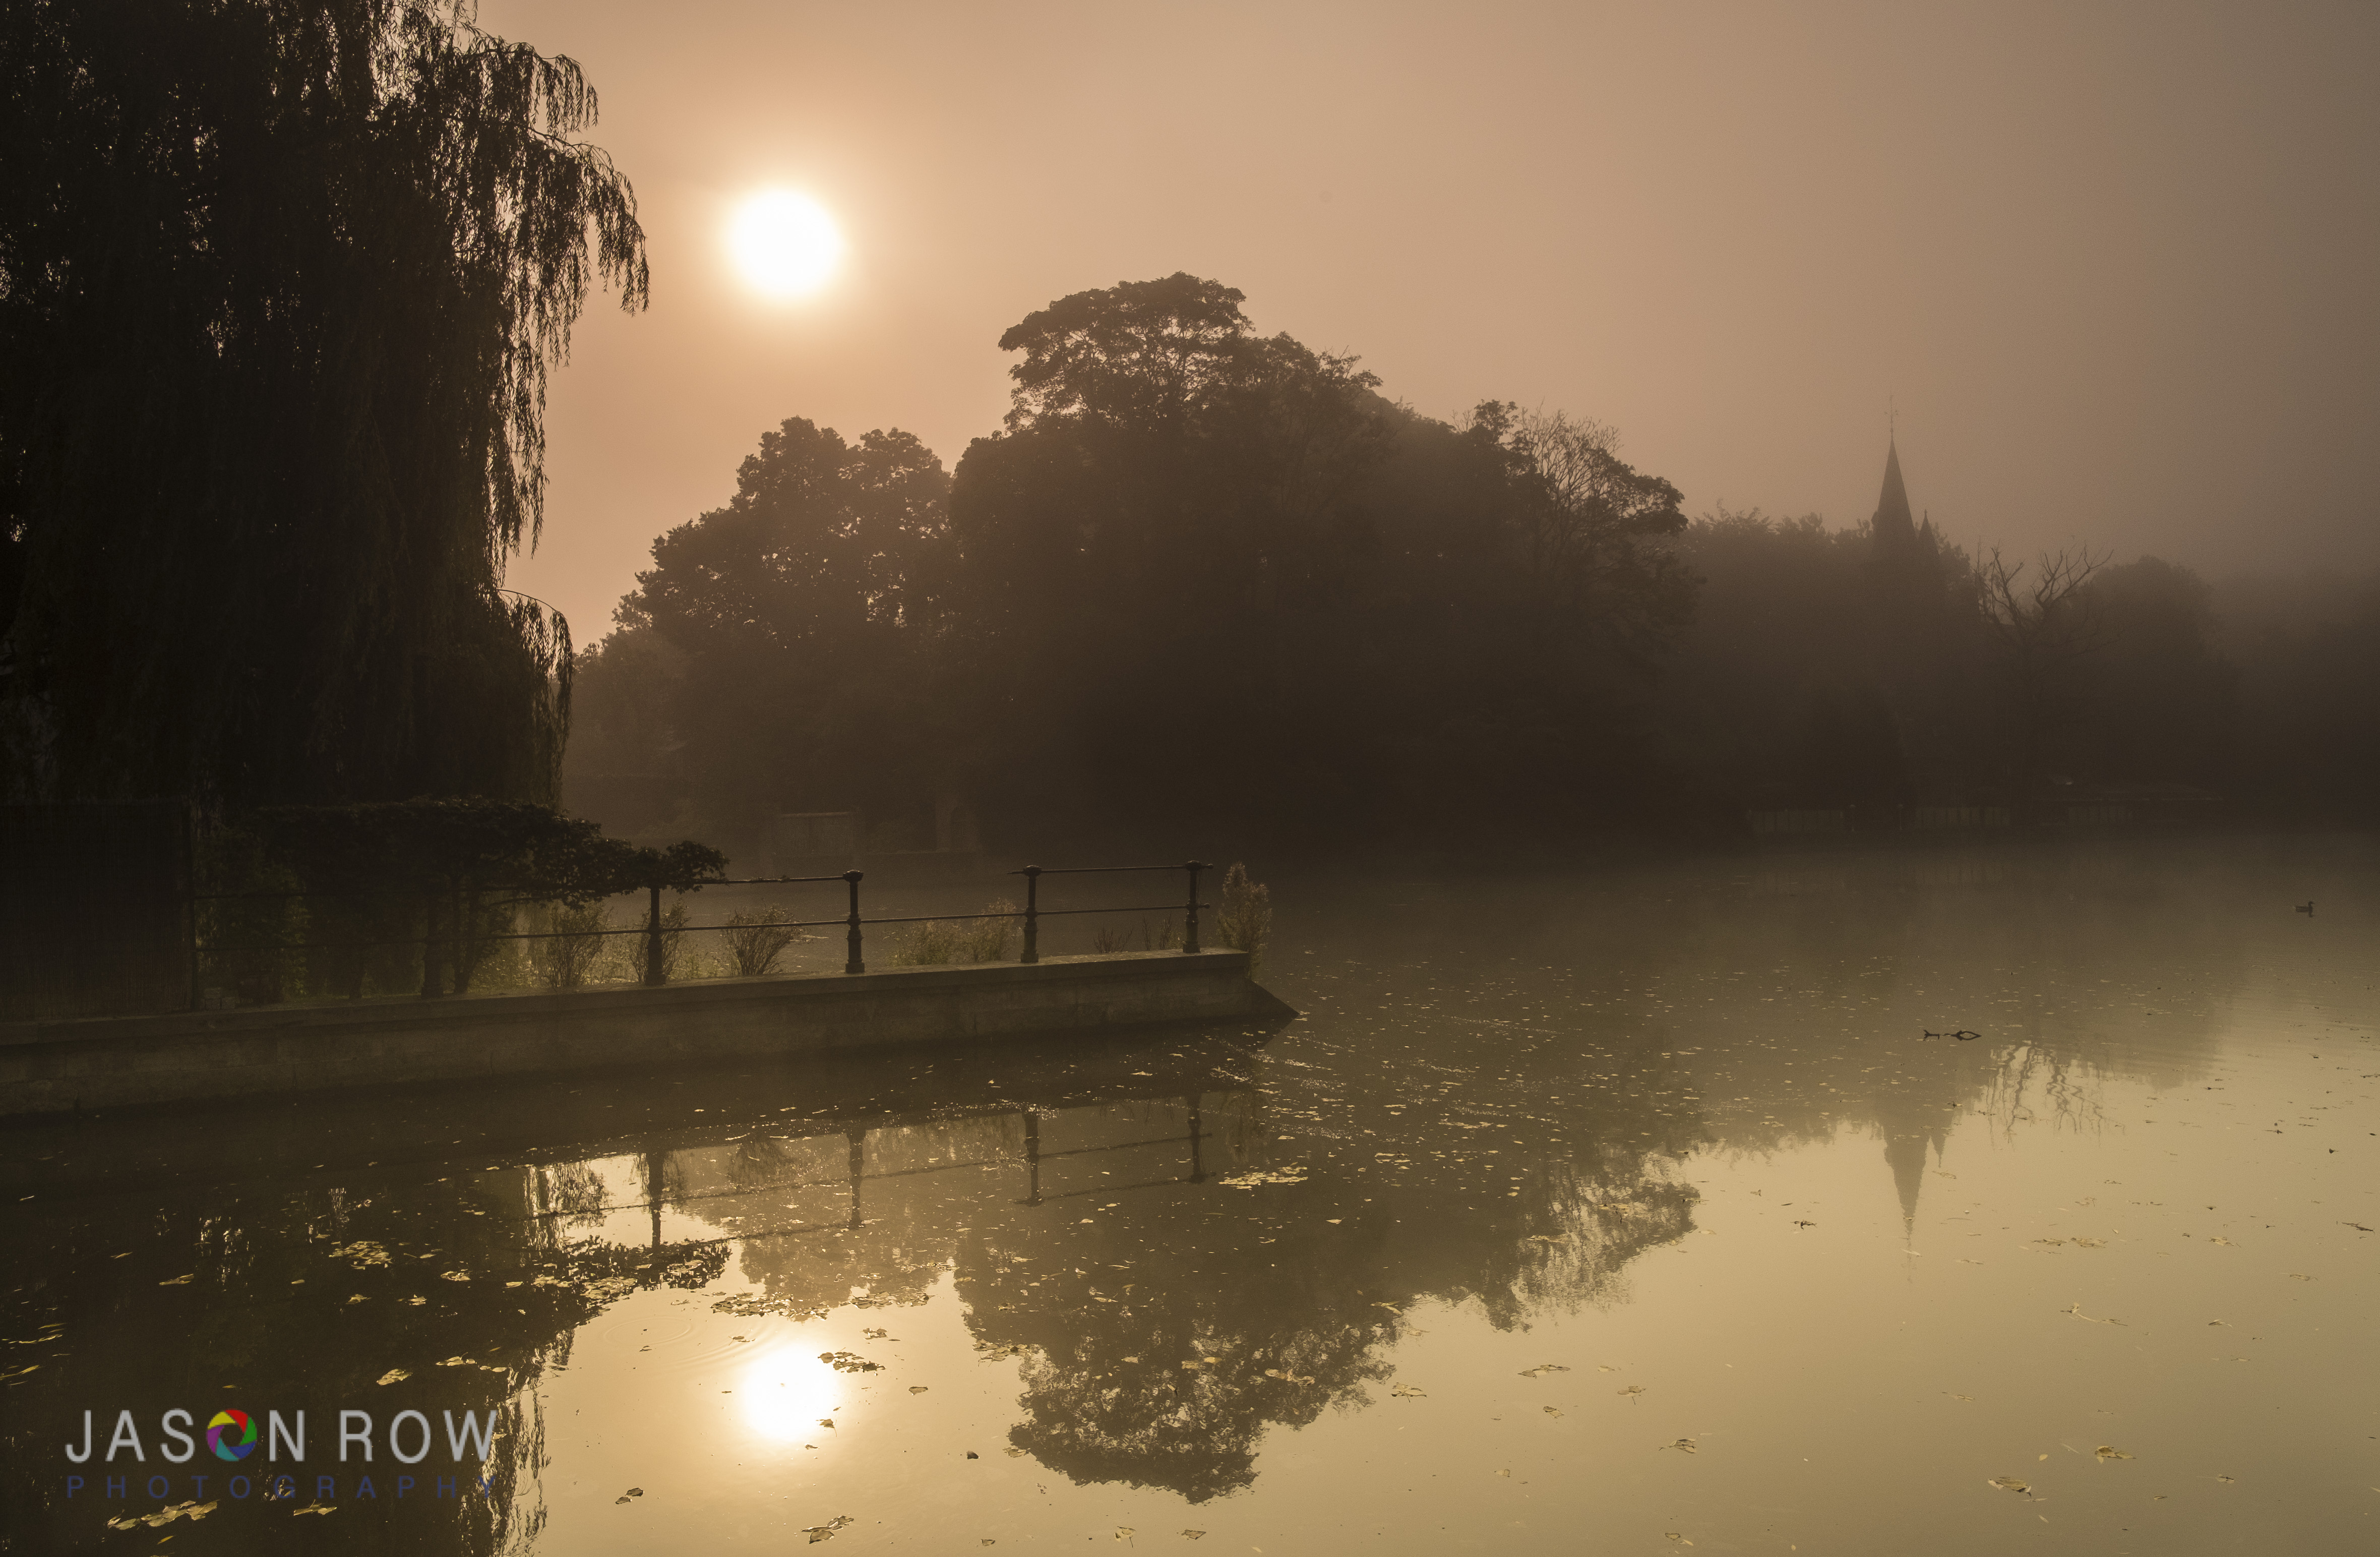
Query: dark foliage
(280, 281)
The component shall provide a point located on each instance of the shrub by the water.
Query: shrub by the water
(930, 942)
(754, 941)
(1245, 921)
(574, 950)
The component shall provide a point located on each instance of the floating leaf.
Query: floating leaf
(2008, 1484)
(317, 1508)
(1406, 1392)
(825, 1531)
(2105, 1453)
(396, 1375)
(1542, 1370)
(1684, 1446)
(919, 1389)
(1551, 1411)
(1195, 1535)
(184, 1280)
(850, 1362)
(454, 1276)
(1632, 1389)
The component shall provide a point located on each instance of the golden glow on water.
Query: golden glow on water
(785, 1392)
(1643, 1208)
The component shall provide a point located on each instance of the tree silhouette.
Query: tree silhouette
(284, 279)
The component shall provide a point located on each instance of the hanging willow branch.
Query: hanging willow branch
(281, 282)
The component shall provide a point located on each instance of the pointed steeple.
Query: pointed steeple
(1894, 528)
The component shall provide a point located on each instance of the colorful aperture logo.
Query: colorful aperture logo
(232, 1435)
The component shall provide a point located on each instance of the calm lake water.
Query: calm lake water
(1617, 1213)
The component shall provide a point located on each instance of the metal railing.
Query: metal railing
(655, 931)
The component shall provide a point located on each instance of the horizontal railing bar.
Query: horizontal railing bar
(1096, 869)
(768, 881)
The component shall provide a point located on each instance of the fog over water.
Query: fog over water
(1638, 1211)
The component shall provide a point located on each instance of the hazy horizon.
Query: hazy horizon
(2110, 269)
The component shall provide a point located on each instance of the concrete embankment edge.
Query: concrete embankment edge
(50, 1067)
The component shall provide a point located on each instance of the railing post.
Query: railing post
(1190, 929)
(653, 939)
(851, 962)
(1032, 910)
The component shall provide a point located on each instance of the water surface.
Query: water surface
(1615, 1211)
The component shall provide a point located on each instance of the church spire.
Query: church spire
(1894, 528)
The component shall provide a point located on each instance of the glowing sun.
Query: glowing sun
(786, 244)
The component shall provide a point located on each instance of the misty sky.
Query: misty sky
(2114, 265)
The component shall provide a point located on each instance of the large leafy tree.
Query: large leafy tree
(784, 640)
(280, 284)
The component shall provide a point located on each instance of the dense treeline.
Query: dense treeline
(280, 281)
(1208, 584)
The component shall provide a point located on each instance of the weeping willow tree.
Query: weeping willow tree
(281, 282)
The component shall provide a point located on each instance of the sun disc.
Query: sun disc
(786, 244)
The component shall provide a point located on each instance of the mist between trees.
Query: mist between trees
(1210, 582)
(280, 284)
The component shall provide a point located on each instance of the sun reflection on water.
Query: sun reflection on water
(787, 1393)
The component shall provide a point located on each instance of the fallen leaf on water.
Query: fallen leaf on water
(317, 1508)
(2091, 1243)
(2008, 1484)
(1015, 1453)
(1551, 1411)
(825, 1531)
(1195, 1535)
(2295, 1276)
(2224, 1242)
(394, 1375)
(1284, 1377)
(1685, 1445)
(849, 1362)
(2227, 1480)
(2105, 1453)
(1678, 1537)
(1632, 1389)
(826, 1421)
(180, 1281)
(454, 1276)
(1955, 1396)
(1542, 1370)
(1124, 1532)
(359, 1298)
(1505, 1473)
(1406, 1391)
(1605, 1367)
(919, 1389)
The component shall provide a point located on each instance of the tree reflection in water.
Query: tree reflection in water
(1184, 1238)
